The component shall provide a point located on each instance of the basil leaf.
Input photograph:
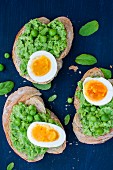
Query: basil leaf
(66, 119)
(6, 87)
(107, 73)
(52, 98)
(89, 28)
(10, 166)
(42, 86)
(85, 59)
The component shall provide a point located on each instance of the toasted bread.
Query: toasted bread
(77, 127)
(69, 29)
(28, 95)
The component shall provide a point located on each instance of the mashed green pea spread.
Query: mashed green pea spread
(95, 120)
(21, 117)
(38, 36)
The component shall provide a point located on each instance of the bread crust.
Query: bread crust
(77, 127)
(69, 29)
(28, 95)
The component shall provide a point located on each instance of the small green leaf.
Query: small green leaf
(66, 119)
(6, 87)
(85, 59)
(52, 98)
(42, 86)
(89, 28)
(10, 166)
(107, 73)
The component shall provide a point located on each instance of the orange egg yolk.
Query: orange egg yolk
(41, 66)
(44, 133)
(95, 90)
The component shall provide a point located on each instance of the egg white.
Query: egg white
(108, 96)
(50, 75)
(56, 143)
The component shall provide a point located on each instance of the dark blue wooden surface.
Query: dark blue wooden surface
(13, 15)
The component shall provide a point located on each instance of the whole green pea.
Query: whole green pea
(43, 39)
(32, 112)
(93, 108)
(17, 122)
(37, 117)
(99, 131)
(29, 118)
(32, 107)
(87, 109)
(34, 33)
(52, 32)
(105, 118)
(70, 100)
(1, 67)
(6, 55)
(56, 37)
(93, 118)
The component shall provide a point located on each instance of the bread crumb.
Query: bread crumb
(80, 72)
(74, 68)
(76, 143)
(70, 143)
(5, 95)
(9, 151)
(73, 167)
(24, 81)
(111, 66)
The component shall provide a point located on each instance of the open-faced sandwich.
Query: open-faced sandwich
(31, 129)
(93, 121)
(40, 46)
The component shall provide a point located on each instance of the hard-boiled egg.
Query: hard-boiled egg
(46, 134)
(97, 91)
(42, 66)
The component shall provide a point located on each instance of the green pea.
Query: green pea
(32, 112)
(56, 37)
(93, 118)
(22, 129)
(43, 39)
(93, 108)
(99, 131)
(17, 122)
(34, 33)
(70, 100)
(41, 28)
(37, 117)
(87, 109)
(105, 118)
(6, 55)
(52, 32)
(29, 118)
(1, 67)
(32, 107)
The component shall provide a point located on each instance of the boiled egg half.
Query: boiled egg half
(97, 91)
(42, 66)
(46, 134)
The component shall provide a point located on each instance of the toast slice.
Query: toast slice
(77, 127)
(28, 95)
(69, 29)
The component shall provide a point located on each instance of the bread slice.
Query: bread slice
(69, 29)
(28, 95)
(77, 127)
